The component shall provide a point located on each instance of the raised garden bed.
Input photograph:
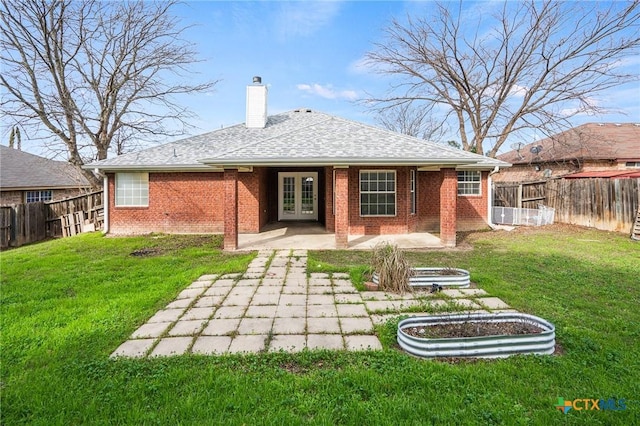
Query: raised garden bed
(444, 277)
(479, 335)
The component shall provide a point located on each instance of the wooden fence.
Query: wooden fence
(28, 223)
(602, 203)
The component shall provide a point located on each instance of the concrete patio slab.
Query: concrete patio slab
(329, 325)
(211, 345)
(321, 311)
(356, 325)
(187, 328)
(289, 326)
(248, 343)
(167, 315)
(279, 310)
(134, 348)
(293, 311)
(154, 329)
(198, 314)
(325, 341)
(362, 343)
(351, 310)
(492, 303)
(255, 326)
(288, 343)
(180, 303)
(221, 327)
(172, 346)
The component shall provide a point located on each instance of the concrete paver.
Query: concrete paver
(248, 343)
(187, 328)
(135, 348)
(323, 325)
(152, 329)
(325, 341)
(280, 309)
(288, 343)
(211, 345)
(172, 346)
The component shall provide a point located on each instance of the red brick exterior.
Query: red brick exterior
(448, 209)
(231, 209)
(343, 201)
(195, 203)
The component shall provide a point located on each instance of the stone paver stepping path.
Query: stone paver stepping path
(274, 307)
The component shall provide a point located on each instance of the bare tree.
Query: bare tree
(82, 74)
(409, 120)
(535, 65)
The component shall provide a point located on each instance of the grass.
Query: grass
(67, 304)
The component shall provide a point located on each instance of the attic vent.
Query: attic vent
(302, 110)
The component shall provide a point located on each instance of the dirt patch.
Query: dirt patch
(473, 329)
(146, 252)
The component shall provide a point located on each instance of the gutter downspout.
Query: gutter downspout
(495, 170)
(105, 203)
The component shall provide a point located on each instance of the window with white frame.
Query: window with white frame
(35, 196)
(469, 182)
(633, 164)
(377, 193)
(132, 189)
(412, 190)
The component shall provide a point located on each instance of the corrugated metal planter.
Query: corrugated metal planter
(499, 346)
(427, 277)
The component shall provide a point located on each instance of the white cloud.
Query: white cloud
(327, 91)
(300, 18)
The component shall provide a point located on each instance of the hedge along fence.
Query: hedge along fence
(601, 203)
(28, 223)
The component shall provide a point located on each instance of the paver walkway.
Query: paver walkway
(273, 306)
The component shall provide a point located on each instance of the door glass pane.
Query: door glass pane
(307, 195)
(289, 195)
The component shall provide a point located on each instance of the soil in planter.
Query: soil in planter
(472, 329)
(438, 273)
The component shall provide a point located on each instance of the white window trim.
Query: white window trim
(117, 190)
(413, 192)
(395, 192)
(479, 194)
(39, 191)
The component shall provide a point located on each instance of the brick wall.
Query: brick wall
(472, 209)
(178, 203)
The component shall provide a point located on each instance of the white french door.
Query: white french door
(298, 196)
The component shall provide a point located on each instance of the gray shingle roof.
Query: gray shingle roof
(20, 170)
(296, 138)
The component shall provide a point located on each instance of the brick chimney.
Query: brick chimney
(256, 104)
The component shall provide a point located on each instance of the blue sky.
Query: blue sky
(310, 55)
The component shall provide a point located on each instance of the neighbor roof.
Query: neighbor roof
(20, 170)
(296, 138)
(591, 141)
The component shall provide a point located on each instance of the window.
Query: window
(633, 164)
(377, 193)
(468, 183)
(35, 196)
(412, 190)
(132, 189)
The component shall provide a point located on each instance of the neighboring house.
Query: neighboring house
(589, 150)
(26, 178)
(300, 165)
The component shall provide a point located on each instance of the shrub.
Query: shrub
(392, 267)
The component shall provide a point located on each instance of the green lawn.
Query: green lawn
(67, 304)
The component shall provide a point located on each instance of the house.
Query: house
(26, 178)
(300, 165)
(589, 150)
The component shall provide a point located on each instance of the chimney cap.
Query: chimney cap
(257, 79)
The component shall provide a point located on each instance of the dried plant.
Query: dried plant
(392, 267)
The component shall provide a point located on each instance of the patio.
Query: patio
(313, 236)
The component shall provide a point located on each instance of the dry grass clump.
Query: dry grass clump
(392, 267)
